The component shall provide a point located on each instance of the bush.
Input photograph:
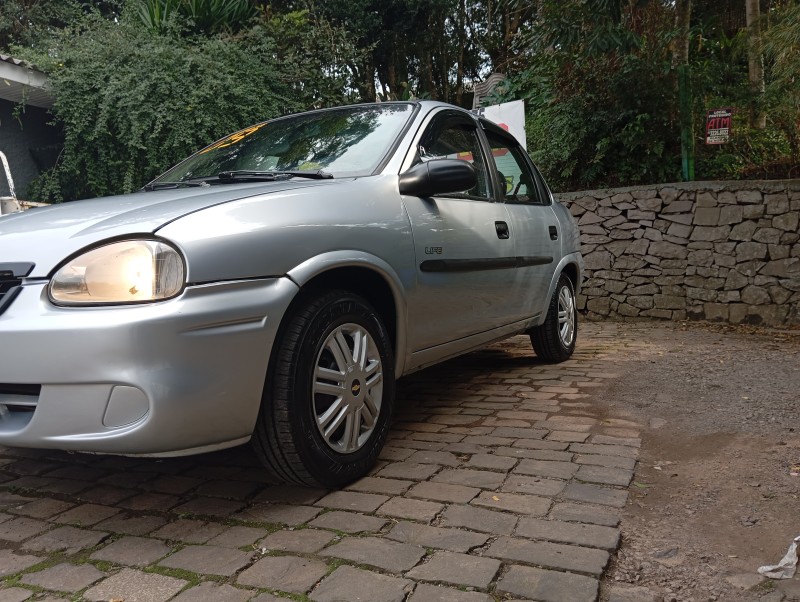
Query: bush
(133, 101)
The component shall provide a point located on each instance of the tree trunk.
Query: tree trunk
(680, 48)
(755, 63)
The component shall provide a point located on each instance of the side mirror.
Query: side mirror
(438, 176)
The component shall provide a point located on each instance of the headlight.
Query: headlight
(130, 271)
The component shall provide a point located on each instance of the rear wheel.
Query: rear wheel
(329, 395)
(554, 340)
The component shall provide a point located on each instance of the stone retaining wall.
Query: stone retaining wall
(724, 251)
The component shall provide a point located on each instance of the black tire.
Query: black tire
(550, 341)
(288, 438)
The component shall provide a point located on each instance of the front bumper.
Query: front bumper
(168, 378)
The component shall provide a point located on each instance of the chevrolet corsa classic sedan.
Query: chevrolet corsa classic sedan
(273, 286)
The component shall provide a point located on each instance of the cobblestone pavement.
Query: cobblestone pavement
(500, 480)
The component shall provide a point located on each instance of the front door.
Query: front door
(464, 253)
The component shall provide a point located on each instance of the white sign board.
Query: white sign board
(510, 116)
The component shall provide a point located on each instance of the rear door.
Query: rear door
(464, 252)
(534, 227)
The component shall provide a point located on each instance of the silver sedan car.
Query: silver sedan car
(273, 286)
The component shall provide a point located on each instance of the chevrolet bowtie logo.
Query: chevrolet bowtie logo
(355, 389)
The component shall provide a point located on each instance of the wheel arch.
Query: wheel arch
(366, 275)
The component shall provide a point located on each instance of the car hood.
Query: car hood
(46, 236)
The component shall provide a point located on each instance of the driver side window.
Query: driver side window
(454, 137)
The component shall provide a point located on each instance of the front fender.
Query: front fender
(319, 264)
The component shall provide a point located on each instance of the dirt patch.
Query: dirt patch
(713, 498)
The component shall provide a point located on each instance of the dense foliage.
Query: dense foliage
(141, 83)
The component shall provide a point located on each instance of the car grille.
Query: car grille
(17, 404)
(11, 275)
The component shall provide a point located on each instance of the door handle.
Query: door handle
(553, 233)
(502, 230)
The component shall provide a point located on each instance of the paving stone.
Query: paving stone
(607, 440)
(491, 462)
(595, 536)
(484, 479)
(11, 563)
(173, 484)
(543, 468)
(132, 525)
(395, 454)
(551, 555)
(550, 455)
(478, 519)
(442, 458)
(548, 586)
(278, 513)
(489, 440)
(604, 475)
(15, 594)
(585, 513)
(609, 461)
(290, 494)
(531, 505)
(356, 585)
(377, 552)
(135, 586)
(533, 485)
(235, 490)
(212, 592)
(522, 415)
(594, 494)
(214, 560)
(519, 433)
(285, 573)
(348, 522)
(150, 501)
(266, 598)
(455, 540)
(237, 537)
(436, 593)
(189, 531)
(20, 529)
(413, 509)
(458, 569)
(64, 577)
(381, 485)
(624, 451)
(106, 495)
(209, 506)
(42, 508)
(65, 539)
(133, 551)
(443, 492)
(351, 500)
(86, 515)
(409, 470)
(307, 541)
(533, 444)
(568, 436)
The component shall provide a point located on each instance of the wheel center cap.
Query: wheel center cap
(355, 388)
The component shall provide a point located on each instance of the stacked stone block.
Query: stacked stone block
(721, 251)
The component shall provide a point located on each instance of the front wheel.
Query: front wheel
(554, 340)
(329, 397)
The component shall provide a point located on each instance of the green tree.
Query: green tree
(132, 102)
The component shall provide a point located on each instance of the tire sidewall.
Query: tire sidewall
(325, 464)
(564, 282)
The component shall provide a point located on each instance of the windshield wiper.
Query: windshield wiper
(165, 185)
(274, 174)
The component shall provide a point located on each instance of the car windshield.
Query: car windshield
(347, 141)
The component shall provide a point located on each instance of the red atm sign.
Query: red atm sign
(718, 125)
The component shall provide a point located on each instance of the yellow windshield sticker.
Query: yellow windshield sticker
(234, 138)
